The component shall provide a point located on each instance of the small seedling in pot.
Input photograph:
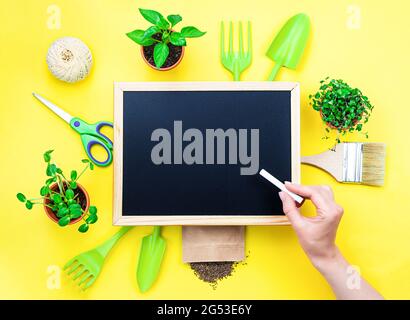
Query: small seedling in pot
(65, 200)
(342, 108)
(162, 46)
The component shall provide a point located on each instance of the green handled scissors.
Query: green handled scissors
(90, 133)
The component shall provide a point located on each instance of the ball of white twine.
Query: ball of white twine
(69, 59)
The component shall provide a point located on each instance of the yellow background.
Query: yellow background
(375, 231)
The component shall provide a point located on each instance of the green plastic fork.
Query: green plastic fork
(87, 266)
(236, 62)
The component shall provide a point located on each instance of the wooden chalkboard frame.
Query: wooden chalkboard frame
(121, 87)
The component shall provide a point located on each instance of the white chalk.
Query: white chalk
(280, 185)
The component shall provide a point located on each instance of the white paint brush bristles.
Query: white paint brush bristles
(353, 162)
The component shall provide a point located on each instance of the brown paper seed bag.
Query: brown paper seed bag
(213, 243)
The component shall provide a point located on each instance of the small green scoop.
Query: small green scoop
(149, 263)
(288, 46)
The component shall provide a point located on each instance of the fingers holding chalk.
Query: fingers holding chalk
(280, 185)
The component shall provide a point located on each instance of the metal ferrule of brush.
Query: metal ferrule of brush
(352, 164)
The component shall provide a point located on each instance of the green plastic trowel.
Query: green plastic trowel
(149, 263)
(288, 46)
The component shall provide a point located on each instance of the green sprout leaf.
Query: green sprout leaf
(73, 185)
(92, 219)
(85, 160)
(138, 37)
(61, 205)
(56, 198)
(174, 19)
(48, 172)
(29, 204)
(161, 52)
(73, 175)
(62, 212)
(91, 166)
(76, 214)
(21, 197)
(92, 210)
(69, 194)
(177, 39)
(191, 32)
(75, 209)
(74, 205)
(83, 228)
(50, 181)
(155, 18)
(47, 156)
(63, 221)
(150, 15)
(51, 170)
(44, 190)
(150, 32)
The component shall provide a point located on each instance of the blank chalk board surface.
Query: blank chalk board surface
(157, 181)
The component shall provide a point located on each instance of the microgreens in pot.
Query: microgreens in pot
(65, 198)
(162, 37)
(341, 107)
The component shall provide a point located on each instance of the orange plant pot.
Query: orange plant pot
(163, 69)
(50, 213)
(331, 126)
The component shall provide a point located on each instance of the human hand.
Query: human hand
(317, 238)
(316, 234)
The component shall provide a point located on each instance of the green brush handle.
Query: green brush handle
(274, 72)
(107, 245)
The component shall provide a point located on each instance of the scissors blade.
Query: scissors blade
(60, 112)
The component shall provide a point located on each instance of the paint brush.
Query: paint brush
(353, 162)
(280, 185)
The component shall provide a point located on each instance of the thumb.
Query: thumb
(291, 210)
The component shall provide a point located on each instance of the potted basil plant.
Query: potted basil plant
(162, 47)
(65, 201)
(341, 107)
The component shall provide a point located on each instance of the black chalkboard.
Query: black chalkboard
(203, 189)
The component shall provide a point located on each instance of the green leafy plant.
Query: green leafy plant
(62, 195)
(161, 34)
(341, 107)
